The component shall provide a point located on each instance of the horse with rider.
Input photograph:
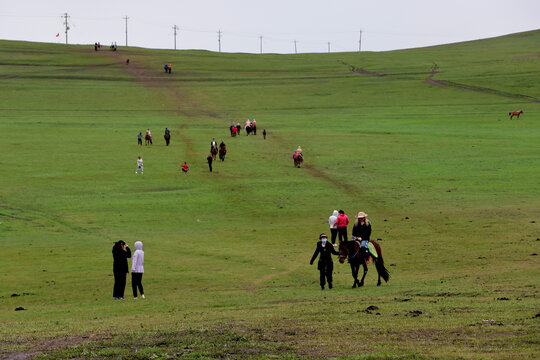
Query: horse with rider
(298, 157)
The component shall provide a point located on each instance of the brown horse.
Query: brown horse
(222, 151)
(357, 255)
(214, 152)
(167, 138)
(298, 159)
(515, 113)
(148, 139)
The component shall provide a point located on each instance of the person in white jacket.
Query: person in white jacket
(333, 228)
(137, 269)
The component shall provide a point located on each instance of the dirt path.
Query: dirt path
(445, 83)
(449, 84)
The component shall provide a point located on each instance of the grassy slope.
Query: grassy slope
(227, 252)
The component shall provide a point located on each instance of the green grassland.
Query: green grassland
(451, 186)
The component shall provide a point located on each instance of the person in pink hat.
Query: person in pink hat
(362, 227)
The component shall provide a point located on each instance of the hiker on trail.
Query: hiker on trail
(209, 159)
(325, 265)
(95, 47)
(139, 139)
(184, 167)
(121, 253)
(362, 229)
(264, 134)
(238, 128)
(341, 223)
(234, 131)
(333, 228)
(139, 166)
(137, 269)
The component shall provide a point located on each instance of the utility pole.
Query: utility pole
(260, 37)
(175, 28)
(360, 44)
(66, 16)
(295, 47)
(219, 40)
(126, 18)
(329, 46)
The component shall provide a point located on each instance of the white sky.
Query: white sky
(385, 24)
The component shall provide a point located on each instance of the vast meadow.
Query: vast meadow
(419, 139)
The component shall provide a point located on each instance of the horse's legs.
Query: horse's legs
(354, 271)
(365, 272)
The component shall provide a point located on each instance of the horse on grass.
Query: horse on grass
(222, 151)
(515, 113)
(248, 129)
(298, 160)
(148, 139)
(214, 152)
(356, 255)
(167, 138)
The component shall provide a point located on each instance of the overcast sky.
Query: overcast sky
(385, 24)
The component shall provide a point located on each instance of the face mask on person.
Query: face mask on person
(324, 240)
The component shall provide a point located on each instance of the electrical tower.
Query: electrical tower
(126, 18)
(260, 37)
(295, 47)
(219, 40)
(175, 28)
(66, 16)
(329, 46)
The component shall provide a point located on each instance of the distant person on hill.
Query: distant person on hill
(184, 167)
(234, 131)
(238, 128)
(362, 228)
(264, 134)
(213, 144)
(325, 265)
(341, 223)
(137, 269)
(209, 159)
(121, 253)
(139, 166)
(139, 139)
(95, 47)
(127, 61)
(333, 228)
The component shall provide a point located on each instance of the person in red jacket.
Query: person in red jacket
(341, 223)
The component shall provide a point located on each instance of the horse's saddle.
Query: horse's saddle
(368, 248)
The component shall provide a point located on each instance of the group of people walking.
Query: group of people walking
(121, 252)
(338, 222)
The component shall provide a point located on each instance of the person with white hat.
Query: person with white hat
(325, 265)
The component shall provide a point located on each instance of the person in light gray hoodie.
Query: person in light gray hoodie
(137, 269)
(333, 228)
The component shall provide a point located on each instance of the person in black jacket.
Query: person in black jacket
(326, 265)
(362, 227)
(121, 253)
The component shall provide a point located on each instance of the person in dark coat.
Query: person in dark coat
(325, 265)
(121, 253)
(209, 159)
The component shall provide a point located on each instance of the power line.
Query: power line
(126, 18)
(66, 16)
(175, 28)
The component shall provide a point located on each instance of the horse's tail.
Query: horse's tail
(379, 262)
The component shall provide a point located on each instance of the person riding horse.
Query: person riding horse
(148, 137)
(298, 157)
(213, 149)
(167, 136)
(222, 151)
